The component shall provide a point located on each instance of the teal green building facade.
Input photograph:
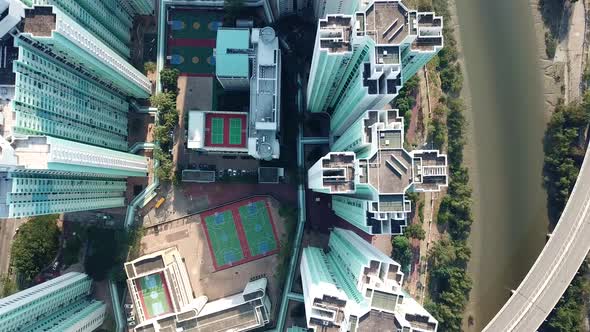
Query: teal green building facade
(64, 130)
(369, 171)
(352, 286)
(361, 62)
(61, 304)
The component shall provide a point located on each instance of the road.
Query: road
(7, 229)
(555, 267)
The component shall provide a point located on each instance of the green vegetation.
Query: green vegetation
(406, 100)
(402, 251)
(437, 133)
(149, 66)
(134, 239)
(169, 79)
(35, 246)
(564, 152)
(572, 308)
(7, 286)
(165, 102)
(550, 45)
(415, 231)
(449, 284)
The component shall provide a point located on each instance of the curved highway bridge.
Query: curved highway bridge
(555, 268)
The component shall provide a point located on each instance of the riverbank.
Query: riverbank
(470, 162)
(554, 70)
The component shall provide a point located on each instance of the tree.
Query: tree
(163, 101)
(161, 135)
(7, 286)
(451, 79)
(550, 45)
(437, 133)
(170, 119)
(402, 252)
(149, 66)
(415, 231)
(35, 246)
(169, 79)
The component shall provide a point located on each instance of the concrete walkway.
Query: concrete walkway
(575, 50)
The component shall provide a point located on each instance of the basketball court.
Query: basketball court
(259, 229)
(192, 38)
(240, 232)
(154, 296)
(225, 130)
(223, 237)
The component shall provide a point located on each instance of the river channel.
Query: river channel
(504, 82)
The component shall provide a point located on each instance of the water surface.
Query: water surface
(505, 84)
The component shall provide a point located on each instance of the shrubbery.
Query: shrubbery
(449, 283)
(165, 102)
(35, 246)
(564, 154)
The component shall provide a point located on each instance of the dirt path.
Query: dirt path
(574, 43)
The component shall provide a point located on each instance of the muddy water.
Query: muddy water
(505, 85)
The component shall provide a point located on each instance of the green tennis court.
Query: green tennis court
(235, 131)
(223, 238)
(154, 297)
(217, 130)
(258, 228)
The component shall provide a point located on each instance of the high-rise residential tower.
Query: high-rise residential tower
(321, 8)
(361, 61)
(61, 304)
(65, 91)
(355, 287)
(369, 171)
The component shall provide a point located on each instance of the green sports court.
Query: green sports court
(191, 40)
(154, 295)
(258, 227)
(194, 24)
(240, 232)
(226, 130)
(223, 238)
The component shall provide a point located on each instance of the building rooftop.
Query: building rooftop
(231, 54)
(386, 22)
(265, 95)
(430, 32)
(39, 21)
(369, 295)
(339, 172)
(335, 32)
(392, 169)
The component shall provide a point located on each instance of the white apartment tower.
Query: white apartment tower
(355, 287)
